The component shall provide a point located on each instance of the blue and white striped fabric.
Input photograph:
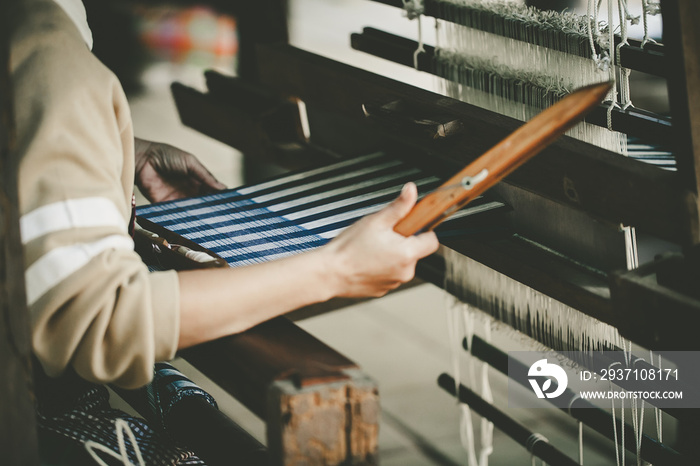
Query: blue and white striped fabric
(653, 154)
(296, 212)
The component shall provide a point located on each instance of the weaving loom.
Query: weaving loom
(560, 275)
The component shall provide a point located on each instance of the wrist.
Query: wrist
(141, 147)
(330, 276)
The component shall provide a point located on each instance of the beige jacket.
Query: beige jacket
(93, 304)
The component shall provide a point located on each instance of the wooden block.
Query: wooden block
(329, 424)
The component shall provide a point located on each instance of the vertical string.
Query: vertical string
(649, 8)
(658, 414)
(467, 427)
(614, 421)
(414, 10)
(580, 443)
(592, 28)
(437, 35)
(486, 394)
(624, 16)
(611, 65)
(420, 48)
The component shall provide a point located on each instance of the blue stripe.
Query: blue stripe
(239, 229)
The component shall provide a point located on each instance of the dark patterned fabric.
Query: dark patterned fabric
(74, 413)
(170, 386)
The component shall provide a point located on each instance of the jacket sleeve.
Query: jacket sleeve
(93, 303)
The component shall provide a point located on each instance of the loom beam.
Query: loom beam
(637, 122)
(613, 188)
(651, 59)
(249, 118)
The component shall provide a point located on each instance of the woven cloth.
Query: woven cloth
(296, 212)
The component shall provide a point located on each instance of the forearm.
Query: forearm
(219, 302)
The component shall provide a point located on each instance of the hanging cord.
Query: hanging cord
(638, 422)
(614, 421)
(120, 426)
(437, 36)
(414, 10)
(458, 328)
(625, 16)
(580, 429)
(486, 394)
(467, 426)
(613, 74)
(649, 8)
(592, 29)
(658, 414)
(580, 443)
(530, 443)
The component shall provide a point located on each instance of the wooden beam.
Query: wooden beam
(318, 406)
(613, 188)
(18, 436)
(682, 40)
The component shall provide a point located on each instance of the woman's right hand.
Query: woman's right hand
(370, 258)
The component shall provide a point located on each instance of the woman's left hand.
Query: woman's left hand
(164, 173)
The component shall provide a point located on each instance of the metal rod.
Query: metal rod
(536, 444)
(594, 417)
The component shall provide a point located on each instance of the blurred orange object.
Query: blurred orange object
(192, 34)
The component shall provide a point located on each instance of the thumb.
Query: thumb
(196, 168)
(401, 206)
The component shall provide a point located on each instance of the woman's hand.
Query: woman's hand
(164, 172)
(370, 258)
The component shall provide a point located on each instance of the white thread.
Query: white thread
(120, 426)
(613, 75)
(437, 35)
(658, 414)
(649, 9)
(580, 441)
(420, 48)
(486, 394)
(533, 440)
(638, 418)
(612, 400)
(592, 20)
(467, 421)
(624, 16)
(413, 8)
(571, 402)
(466, 431)
(520, 84)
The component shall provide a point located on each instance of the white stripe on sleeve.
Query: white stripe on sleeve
(73, 213)
(57, 264)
